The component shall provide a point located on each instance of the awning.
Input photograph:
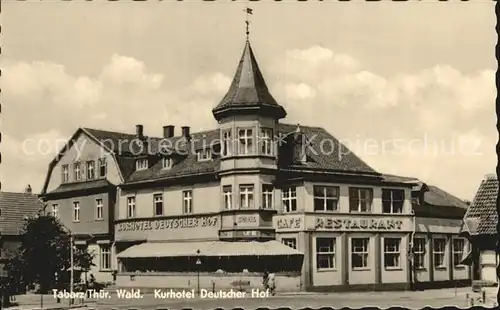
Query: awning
(164, 249)
(208, 248)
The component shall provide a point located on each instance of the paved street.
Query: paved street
(414, 300)
(433, 298)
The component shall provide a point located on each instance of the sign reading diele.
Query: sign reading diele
(368, 224)
(168, 224)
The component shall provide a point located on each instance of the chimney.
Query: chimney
(139, 131)
(168, 131)
(28, 189)
(185, 131)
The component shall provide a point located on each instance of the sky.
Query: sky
(409, 87)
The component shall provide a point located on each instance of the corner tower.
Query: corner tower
(248, 118)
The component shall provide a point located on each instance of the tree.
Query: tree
(84, 261)
(44, 254)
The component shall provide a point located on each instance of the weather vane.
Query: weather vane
(249, 12)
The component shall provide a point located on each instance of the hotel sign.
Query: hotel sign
(289, 222)
(146, 225)
(361, 224)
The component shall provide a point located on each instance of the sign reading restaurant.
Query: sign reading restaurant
(206, 221)
(369, 224)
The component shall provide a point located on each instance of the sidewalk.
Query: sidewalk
(45, 302)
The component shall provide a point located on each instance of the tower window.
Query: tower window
(245, 141)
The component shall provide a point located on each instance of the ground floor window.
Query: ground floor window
(439, 246)
(392, 253)
(325, 253)
(104, 256)
(458, 251)
(291, 242)
(359, 253)
(419, 253)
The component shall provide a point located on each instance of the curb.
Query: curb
(49, 308)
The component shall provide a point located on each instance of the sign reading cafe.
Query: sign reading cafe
(168, 224)
(332, 223)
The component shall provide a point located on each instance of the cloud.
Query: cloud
(437, 124)
(405, 116)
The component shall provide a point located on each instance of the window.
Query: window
(65, 174)
(439, 246)
(266, 140)
(102, 167)
(246, 196)
(360, 199)
(291, 242)
(359, 253)
(227, 192)
(76, 211)
(227, 145)
(55, 210)
(325, 253)
(90, 170)
(141, 164)
(105, 257)
(99, 209)
(392, 253)
(419, 253)
(289, 199)
(267, 196)
(77, 170)
(245, 139)
(130, 207)
(204, 155)
(187, 202)
(326, 198)
(458, 251)
(166, 163)
(392, 200)
(158, 204)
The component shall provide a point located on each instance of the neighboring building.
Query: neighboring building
(80, 190)
(438, 249)
(480, 227)
(14, 208)
(252, 195)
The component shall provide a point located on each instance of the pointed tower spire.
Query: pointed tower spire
(248, 93)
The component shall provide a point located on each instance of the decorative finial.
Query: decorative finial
(249, 12)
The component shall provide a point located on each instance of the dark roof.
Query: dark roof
(14, 207)
(481, 217)
(186, 163)
(248, 88)
(78, 186)
(436, 202)
(438, 197)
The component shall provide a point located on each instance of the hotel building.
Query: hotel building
(251, 195)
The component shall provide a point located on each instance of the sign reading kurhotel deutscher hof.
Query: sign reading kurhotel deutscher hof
(168, 224)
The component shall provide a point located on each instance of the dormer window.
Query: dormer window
(141, 164)
(204, 155)
(166, 163)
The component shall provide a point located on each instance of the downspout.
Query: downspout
(413, 274)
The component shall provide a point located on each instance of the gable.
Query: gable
(82, 147)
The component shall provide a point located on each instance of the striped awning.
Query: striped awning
(208, 248)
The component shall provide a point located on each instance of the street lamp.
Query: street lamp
(198, 263)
